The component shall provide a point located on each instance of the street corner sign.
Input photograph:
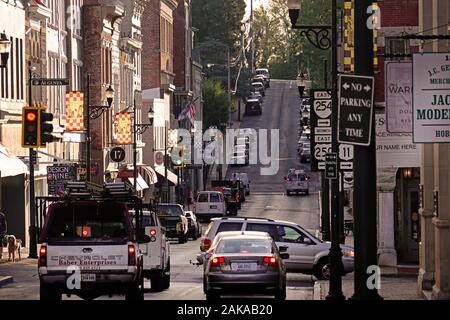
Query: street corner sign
(331, 166)
(355, 109)
(320, 128)
(431, 98)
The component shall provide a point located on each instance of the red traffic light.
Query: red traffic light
(31, 116)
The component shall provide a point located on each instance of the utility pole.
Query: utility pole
(32, 228)
(365, 204)
(88, 129)
(252, 40)
(335, 292)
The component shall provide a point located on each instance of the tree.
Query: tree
(216, 106)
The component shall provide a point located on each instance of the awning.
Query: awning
(10, 165)
(172, 177)
(148, 174)
(140, 183)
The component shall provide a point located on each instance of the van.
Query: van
(297, 182)
(210, 204)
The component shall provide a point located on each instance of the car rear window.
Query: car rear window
(87, 221)
(214, 197)
(202, 197)
(244, 246)
(229, 226)
(169, 210)
(298, 177)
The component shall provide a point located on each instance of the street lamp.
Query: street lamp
(138, 129)
(5, 48)
(92, 113)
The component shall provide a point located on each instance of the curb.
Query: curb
(6, 280)
(317, 291)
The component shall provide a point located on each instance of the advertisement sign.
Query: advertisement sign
(355, 109)
(74, 111)
(123, 128)
(57, 175)
(395, 150)
(431, 98)
(399, 97)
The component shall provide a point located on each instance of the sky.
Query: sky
(256, 3)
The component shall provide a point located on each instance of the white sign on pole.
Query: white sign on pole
(431, 98)
(395, 150)
(399, 97)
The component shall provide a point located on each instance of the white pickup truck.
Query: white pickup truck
(90, 248)
(156, 253)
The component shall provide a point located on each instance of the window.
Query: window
(11, 63)
(264, 227)
(229, 226)
(244, 246)
(289, 234)
(169, 210)
(202, 197)
(214, 197)
(397, 46)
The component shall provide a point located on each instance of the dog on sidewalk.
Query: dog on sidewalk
(14, 245)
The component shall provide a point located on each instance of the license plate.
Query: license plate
(89, 277)
(243, 266)
(213, 207)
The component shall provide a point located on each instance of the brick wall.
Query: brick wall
(151, 56)
(179, 44)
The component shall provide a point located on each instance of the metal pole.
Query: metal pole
(239, 110)
(335, 292)
(325, 222)
(88, 129)
(32, 228)
(341, 209)
(252, 40)
(229, 83)
(134, 145)
(166, 161)
(365, 202)
(325, 73)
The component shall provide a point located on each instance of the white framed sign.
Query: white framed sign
(398, 96)
(431, 97)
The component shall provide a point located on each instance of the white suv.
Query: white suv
(210, 204)
(297, 182)
(307, 254)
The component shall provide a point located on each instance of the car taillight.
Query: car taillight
(271, 261)
(152, 232)
(131, 255)
(42, 262)
(216, 261)
(206, 244)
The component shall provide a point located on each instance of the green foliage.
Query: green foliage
(216, 106)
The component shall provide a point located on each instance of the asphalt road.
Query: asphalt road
(268, 199)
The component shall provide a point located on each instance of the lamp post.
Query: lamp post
(5, 48)
(138, 129)
(91, 113)
(319, 36)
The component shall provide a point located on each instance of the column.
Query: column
(387, 255)
(426, 245)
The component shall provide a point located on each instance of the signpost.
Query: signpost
(331, 166)
(321, 134)
(117, 154)
(431, 98)
(355, 109)
(49, 82)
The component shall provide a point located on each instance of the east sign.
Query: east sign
(431, 98)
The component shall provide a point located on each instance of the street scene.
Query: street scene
(164, 150)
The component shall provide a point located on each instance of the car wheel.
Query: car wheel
(281, 295)
(307, 192)
(47, 293)
(135, 292)
(166, 276)
(322, 270)
(181, 239)
(212, 296)
(288, 193)
(195, 235)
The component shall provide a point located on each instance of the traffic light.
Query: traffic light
(30, 127)
(45, 129)
(178, 157)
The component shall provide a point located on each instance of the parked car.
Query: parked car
(305, 154)
(253, 106)
(259, 86)
(264, 72)
(297, 182)
(156, 253)
(255, 95)
(96, 236)
(195, 227)
(261, 78)
(174, 220)
(307, 254)
(232, 200)
(210, 204)
(246, 264)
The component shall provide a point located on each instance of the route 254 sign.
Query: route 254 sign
(355, 109)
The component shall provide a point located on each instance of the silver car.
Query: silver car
(307, 254)
(246, 264)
